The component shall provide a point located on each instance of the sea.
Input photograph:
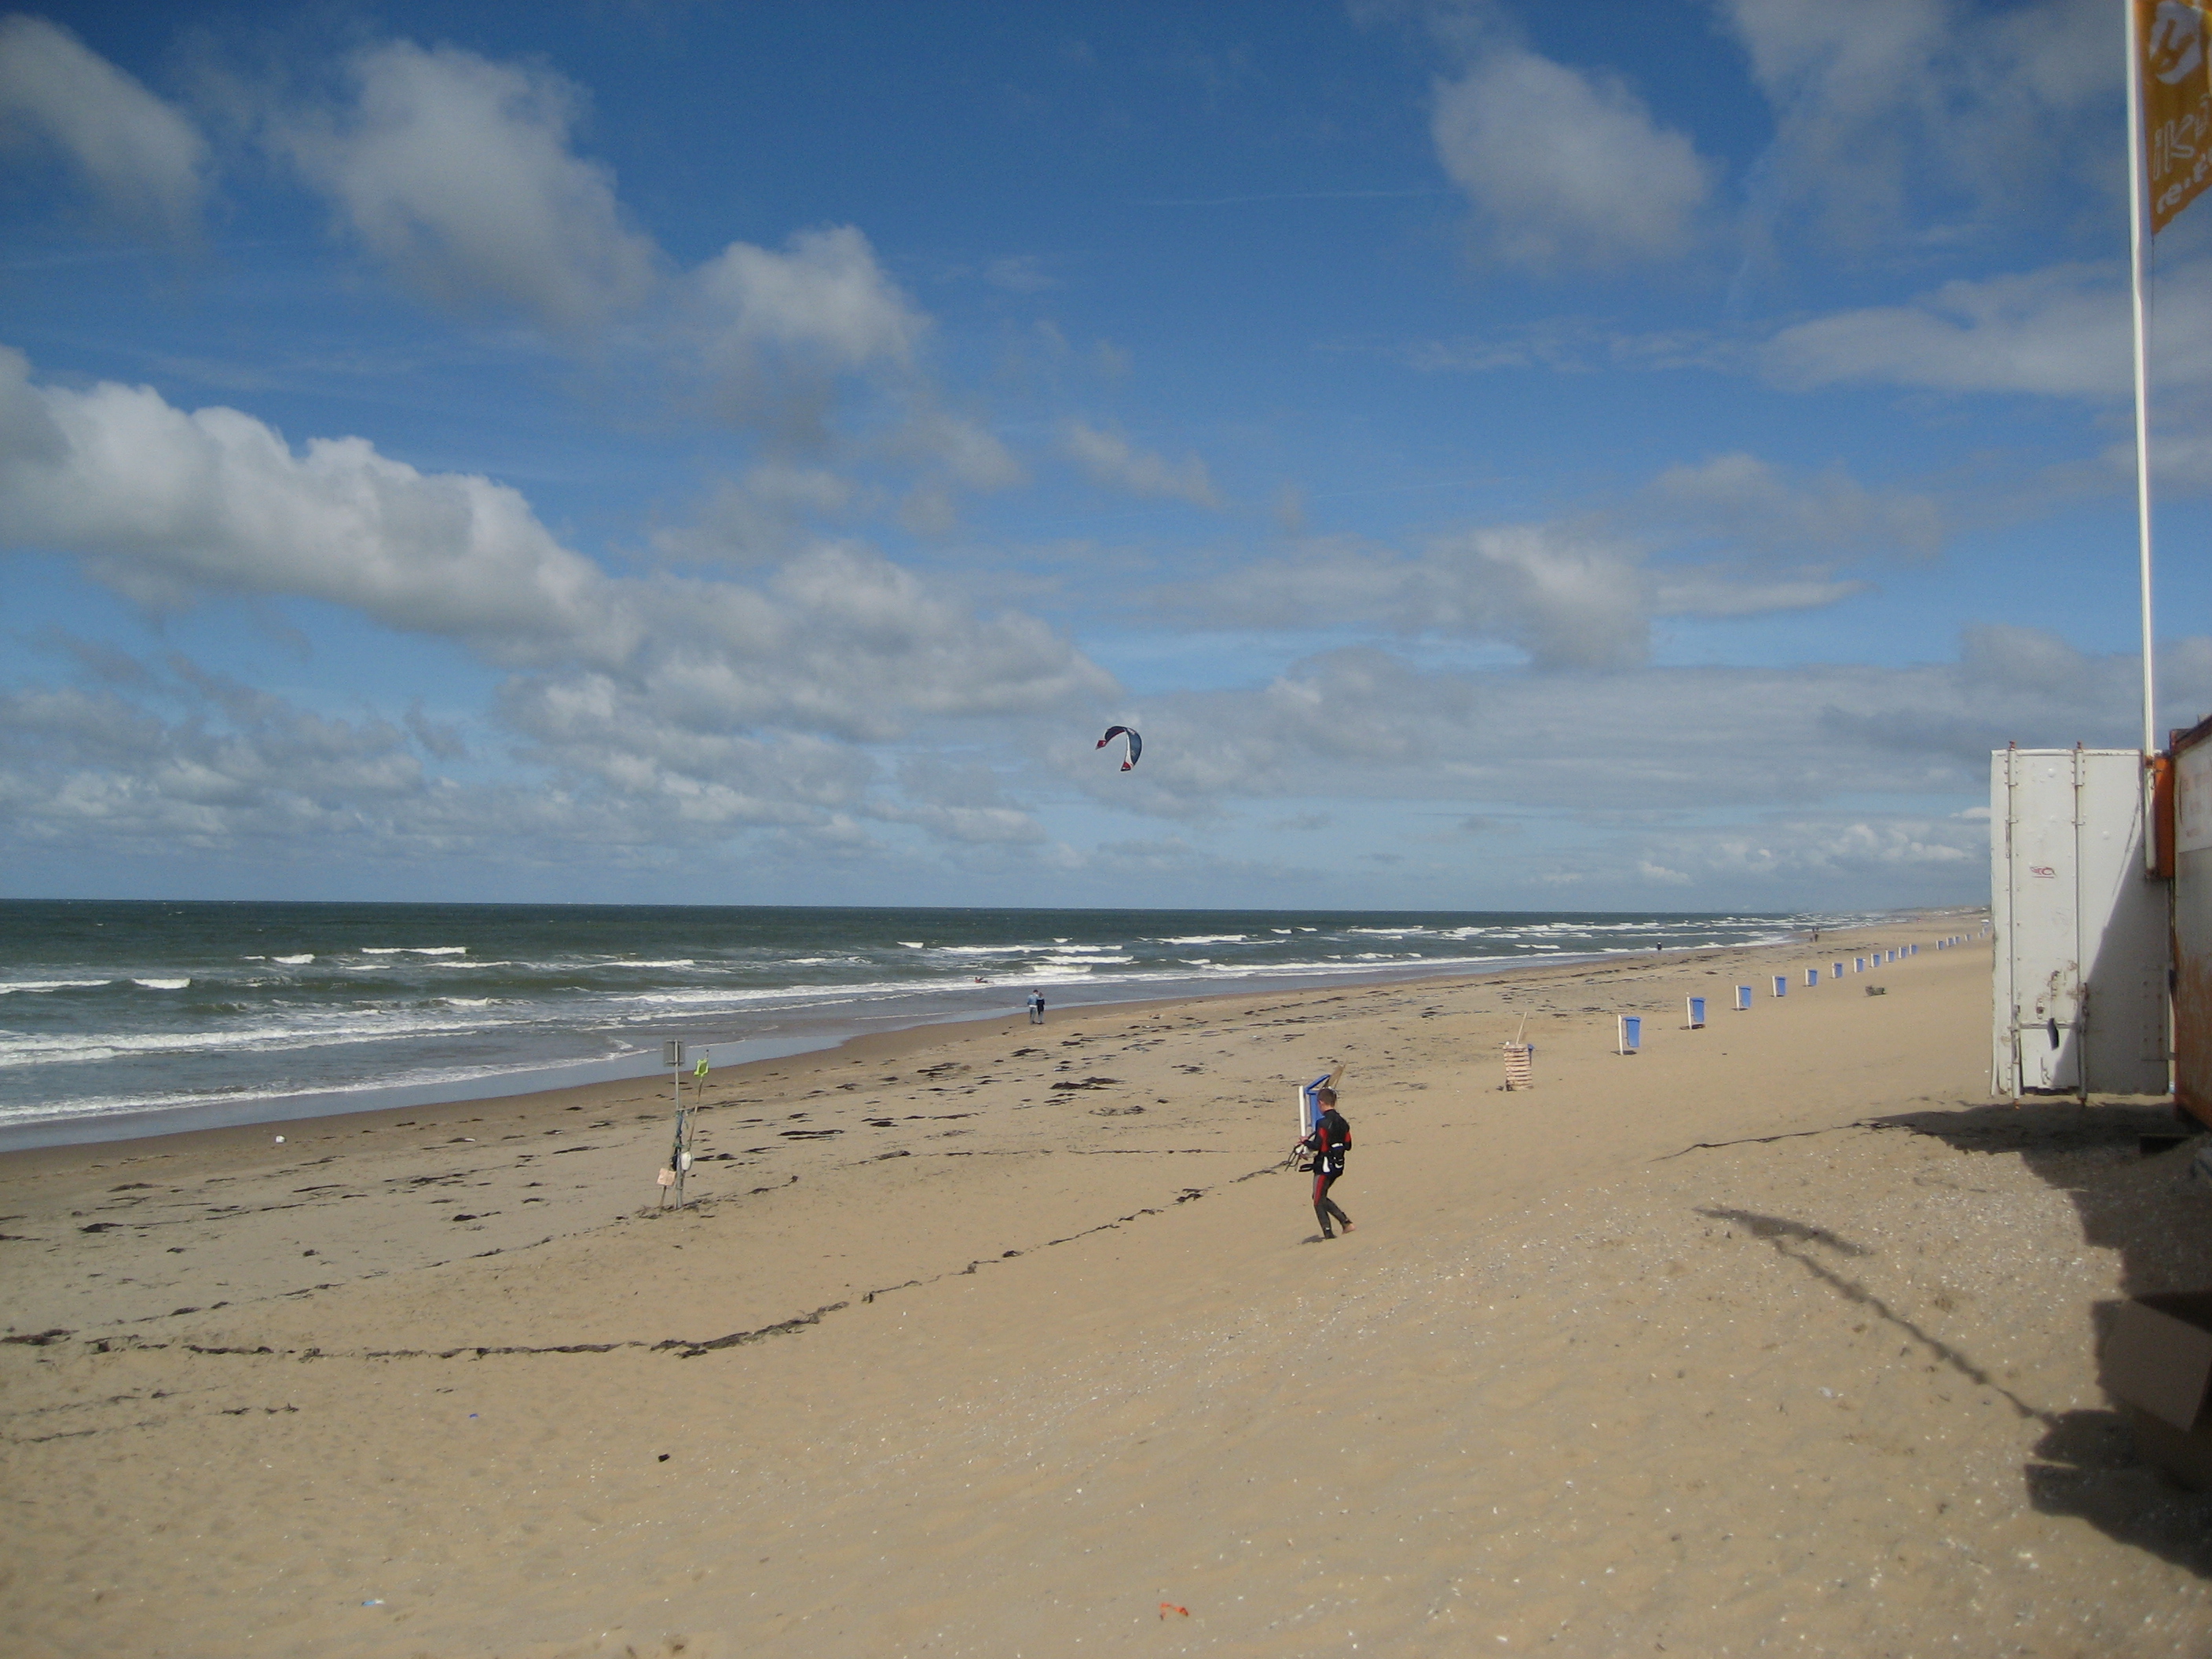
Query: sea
(121, 1017)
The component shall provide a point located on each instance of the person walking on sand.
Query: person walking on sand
(1330, 1140)
(1037, 1007)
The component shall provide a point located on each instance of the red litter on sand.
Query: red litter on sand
(1167, 1607)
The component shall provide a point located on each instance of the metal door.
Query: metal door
(2081, 946)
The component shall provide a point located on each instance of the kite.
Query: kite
(1136, 744)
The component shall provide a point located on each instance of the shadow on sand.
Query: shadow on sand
(2146, 1211)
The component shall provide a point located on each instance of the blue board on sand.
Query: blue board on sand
(1309, 1105)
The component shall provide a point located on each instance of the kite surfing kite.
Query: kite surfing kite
(1136, 744)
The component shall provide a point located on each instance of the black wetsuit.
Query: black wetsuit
(1330, 1140)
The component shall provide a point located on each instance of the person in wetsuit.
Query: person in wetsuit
(1330, 1139)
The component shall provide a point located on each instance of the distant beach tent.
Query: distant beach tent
(1858, 964)
(1837, 973)
(1743, 999)
(1136, 743)
(1697, 1011)
(1632, 1033)
(1812, 977)
(1781, 986)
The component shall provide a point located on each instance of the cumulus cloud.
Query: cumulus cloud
(960, 801)
(162, 502)
(1887, 111)
(1581, 594)
(2062, 331)
(759, 517)
(1111, 459)
(162, 505)
(971, 454)
(1664, 740)
(1565, 167)
(457, 173)
(1751, 503)
(145, 163)
(773, 331)
(238, 766)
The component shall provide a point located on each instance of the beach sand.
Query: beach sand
(1777, 1337)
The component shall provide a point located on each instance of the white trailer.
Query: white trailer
(2080, 996)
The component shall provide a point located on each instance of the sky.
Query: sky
(1632, 456)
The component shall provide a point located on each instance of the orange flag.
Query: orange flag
(2177, 102)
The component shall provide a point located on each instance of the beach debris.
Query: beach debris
(1136, 743)
(1167, 1607)
(280, 1141)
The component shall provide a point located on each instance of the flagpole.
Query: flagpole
(2138, 189)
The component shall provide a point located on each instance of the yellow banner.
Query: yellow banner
(2177, 99)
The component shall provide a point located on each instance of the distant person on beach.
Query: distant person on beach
(1330, 1139)
(1037, 1007)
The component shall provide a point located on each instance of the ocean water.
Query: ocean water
(132, 1018)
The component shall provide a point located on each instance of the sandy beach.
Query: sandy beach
(1776, 1337)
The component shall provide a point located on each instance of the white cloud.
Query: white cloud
(1581, 593)
(773, 331)
(239, 766)
(759, 517)
(1020, 273)
(1564, 168)
(1890, 112)
(456, 172)
(970, 453)
(2062, 331)
(1111, 458)
(958, 801)
(163, 504)
(1752, 503)
(1362, 724)
(146, 163)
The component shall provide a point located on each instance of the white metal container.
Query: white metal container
(2080, 999)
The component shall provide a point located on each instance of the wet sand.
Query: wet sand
(1776, 1337)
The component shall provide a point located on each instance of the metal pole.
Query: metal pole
(2138, 255)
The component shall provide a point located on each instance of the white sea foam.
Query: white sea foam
(162, 984)
(1207, 939)
(51, 985)
(17, 1050)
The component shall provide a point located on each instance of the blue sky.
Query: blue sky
(1636, 455)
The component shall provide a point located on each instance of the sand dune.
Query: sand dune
(1775, 1338)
